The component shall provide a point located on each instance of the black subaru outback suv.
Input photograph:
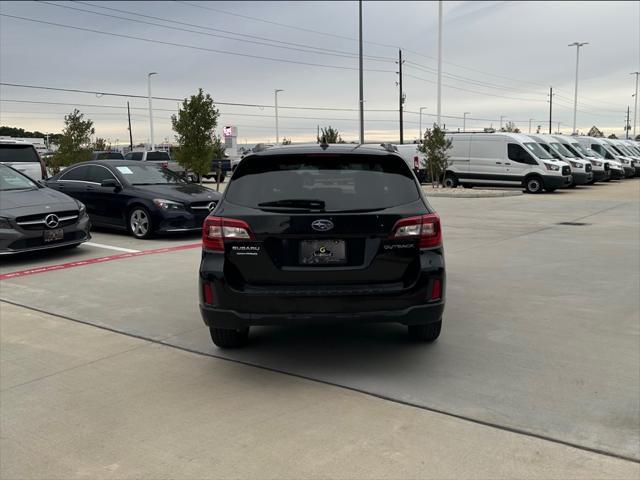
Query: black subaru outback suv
(322, 233)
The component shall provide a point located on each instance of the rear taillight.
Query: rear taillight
(207, 293)
(216, 230)
(424, 227)
(416, 162)
(165, 164)
(436, 289)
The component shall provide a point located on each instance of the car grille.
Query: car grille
(36, 222)
(588, 167)
(566, 170)
(203, 207)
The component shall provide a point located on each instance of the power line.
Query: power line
(306, 48)
(194, 47)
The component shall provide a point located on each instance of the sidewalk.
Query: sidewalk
(80, 402)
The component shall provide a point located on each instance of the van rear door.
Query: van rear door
(24, 158)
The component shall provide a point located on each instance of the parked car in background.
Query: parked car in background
(34, 217)
(629, 152)
(618, 163)
(23, 157)
(336, 233)
(106, 155)
(222, 165)
(601, 168)
(159, 157)
(581, 173)
(503, 159)
(416, 160)
(140, 197)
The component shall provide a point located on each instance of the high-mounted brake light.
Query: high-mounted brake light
(425, 227)
(217, 229)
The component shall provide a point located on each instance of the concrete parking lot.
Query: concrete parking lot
(535, 375)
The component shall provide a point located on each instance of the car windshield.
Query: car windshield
(538, 151)
(558, 147)
(335, 183)
(153, 156)
(587, 152)
(147, 175)
(11, 153)
(12, 180)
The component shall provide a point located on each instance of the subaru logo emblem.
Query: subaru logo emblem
(322, 225)
(51, 220)
(211, 206)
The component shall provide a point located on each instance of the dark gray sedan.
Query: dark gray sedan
(34, 217)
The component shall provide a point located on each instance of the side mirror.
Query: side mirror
(109, 183)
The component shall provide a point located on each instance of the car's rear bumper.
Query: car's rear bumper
(416, 315)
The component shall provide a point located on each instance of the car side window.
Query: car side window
(518, 154)
(128, 156)
(79, 174)
(136, 156)
(97, 174)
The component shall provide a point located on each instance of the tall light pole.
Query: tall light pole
(360, 69)
(575, 95)
(530, 120)
(277, 133)
(464, 121)
(501, 118)
(153, 147)
(439, 112)
(421, 134)
(635, 108)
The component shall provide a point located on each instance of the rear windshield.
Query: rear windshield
(12, 180)
(158, 156)
(18, 153)
(109, 156)
(341, 182)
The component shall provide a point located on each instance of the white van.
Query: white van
(634, 148)
(601, 168)
(603, 148)
(581, 169)
(628, 151)
(416, 160)
(23, 157)
(503, 159)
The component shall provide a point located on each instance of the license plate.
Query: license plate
(322, 252)
(53, 235)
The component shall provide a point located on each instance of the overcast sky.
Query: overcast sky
(499, 60)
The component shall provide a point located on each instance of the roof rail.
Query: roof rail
(486, 130)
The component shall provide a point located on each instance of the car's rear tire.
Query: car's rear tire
(139, 222)
(450, 181)
(533, 184)
(229, 338)
(428, 332)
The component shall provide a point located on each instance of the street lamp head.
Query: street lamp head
(467, 113)
(578, 44)
(278, 90)
(152, 73)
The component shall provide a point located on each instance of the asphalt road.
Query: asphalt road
(541, 331)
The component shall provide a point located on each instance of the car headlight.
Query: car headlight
(551, 166)
(576, 164)
(4, 224)
(167, 204)
(596, 163)
(82, 209)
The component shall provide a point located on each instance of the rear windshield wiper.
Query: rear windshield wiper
(309, 204)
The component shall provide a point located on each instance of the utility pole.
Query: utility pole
(361, 79)
(575, 95)
(318, 134)
(501, 118)
(627, 126)
(464, 121)
(635, 108)
(550, 107)
(130, 134)
(439, 111)
(558, 131)
(401, 96)
(277, 133)
(153, 146)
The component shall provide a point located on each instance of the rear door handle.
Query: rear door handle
(498, 163)
(91, 189)
(507, 164)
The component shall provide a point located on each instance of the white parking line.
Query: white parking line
(110, 247)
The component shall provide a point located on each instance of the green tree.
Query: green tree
(218, 147)
(435, 145)
(286, 141)
(101, 144)
(330, 135)
(613, 136)
(510, 127)
(194, 126)
(75, 142)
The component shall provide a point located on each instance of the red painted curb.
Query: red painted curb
(82, 263)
